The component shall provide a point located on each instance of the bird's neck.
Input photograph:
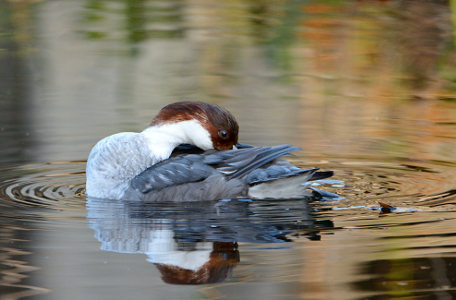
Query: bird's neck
(163, 138)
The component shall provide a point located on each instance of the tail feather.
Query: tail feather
(285, 188)
(321, 175)
(292, 187)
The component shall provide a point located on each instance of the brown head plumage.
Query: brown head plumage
(219, 122)
(222, 260)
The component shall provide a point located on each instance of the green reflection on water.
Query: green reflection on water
(134, 20)
(285, 35)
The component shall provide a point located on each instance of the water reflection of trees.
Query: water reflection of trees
(16, 96)
(133, 20)
(421, 277)
(328, 69)
(16, 258)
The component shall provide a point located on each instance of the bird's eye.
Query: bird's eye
(223, 133)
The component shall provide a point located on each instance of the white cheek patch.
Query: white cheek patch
(173, 134)
(197, 135)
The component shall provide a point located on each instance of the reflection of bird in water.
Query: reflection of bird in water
(138, 165)
(196, 243)
(217, 266)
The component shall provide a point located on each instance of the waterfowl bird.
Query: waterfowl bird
(190, 152)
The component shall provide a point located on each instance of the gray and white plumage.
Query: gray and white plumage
(142, 165)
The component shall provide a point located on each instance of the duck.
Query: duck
(190, 152)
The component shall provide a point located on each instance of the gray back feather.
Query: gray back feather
(229, 164)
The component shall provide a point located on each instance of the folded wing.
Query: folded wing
(245, 163)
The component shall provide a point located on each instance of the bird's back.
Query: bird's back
(214, 175)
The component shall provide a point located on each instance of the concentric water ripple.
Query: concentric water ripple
(399, 183)
(61, 185)
(57, 185)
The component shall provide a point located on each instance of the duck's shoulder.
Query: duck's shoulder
(122, 142)
(117, 140)
(121, 154)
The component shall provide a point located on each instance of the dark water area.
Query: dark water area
(365, 88)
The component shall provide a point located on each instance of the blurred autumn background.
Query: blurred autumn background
(334, 77)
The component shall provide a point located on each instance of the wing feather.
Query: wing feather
(232, 164)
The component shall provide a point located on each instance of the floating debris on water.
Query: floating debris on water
(383, 208)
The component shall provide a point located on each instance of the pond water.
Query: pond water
(365, 88)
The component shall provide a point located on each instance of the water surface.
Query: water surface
(366, 89)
